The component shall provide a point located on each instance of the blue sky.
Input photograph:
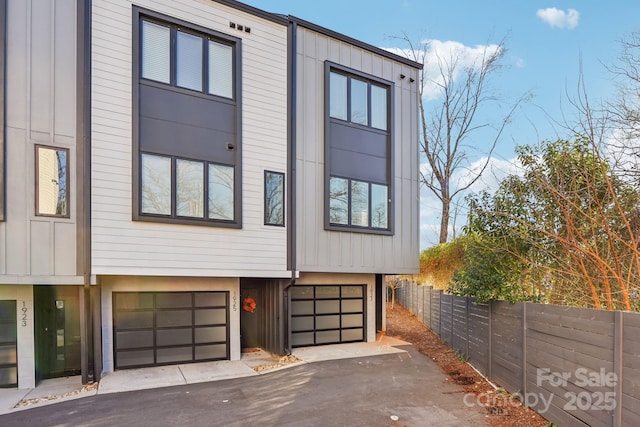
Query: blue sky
(546, 42)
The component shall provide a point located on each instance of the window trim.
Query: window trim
(390, 230)
(284, 198)
(137, 16)
(37, 181)
(349, 226)
(174, 216)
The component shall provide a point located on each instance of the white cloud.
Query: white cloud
(559, 18)
(445, 53)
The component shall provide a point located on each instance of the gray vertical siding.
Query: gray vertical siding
(321, 250)
(41, 109)
(518, 346)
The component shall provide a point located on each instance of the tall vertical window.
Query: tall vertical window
(273, 198)
(187, 110)
(52, 184)
(358, 151)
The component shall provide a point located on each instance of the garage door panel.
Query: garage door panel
(352, 306)
(327, 292)
(324, 307)
(174, 355)
(214, 316)
(210, 299)
(134, 339)
(328, 322)
(302, 307)
(327, 337)
(176, 327)
(208, 352)
(8, 344)
(174, 300)
(135, 320)
(125, 359)
(132, 301)
(169, 318)
(303, 339)
(352, 321)
(327, 314)
(211, 334)
(352, 335)
(174, 336)
(9, 376)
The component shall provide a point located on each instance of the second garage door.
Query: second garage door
(327, 314)
(162, 328)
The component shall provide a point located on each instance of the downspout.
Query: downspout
(291, 165)
(84, 133)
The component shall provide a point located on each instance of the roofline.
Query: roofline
(278, 19)
(284, 20)
(355, 42)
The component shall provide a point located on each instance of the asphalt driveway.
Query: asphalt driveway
(366, 391)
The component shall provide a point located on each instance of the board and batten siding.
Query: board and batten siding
(336, 251)
(126, 247)
(40, 109)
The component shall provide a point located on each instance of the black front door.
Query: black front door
(57, 331)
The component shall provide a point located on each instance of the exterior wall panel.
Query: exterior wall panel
(122, 246)
(41, 109)
(336, 251)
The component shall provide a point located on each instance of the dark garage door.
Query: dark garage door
(327, 314)
(8, 344)
(163, 328)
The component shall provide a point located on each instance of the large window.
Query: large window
(185, 59)
(358, 203)
(52, 184)
(188, 138)
(202, 190)
(358, 101)
(358, 151)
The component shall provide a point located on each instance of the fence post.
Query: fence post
(467, 300)
(490, 376)
(523, 388)
(618, 354)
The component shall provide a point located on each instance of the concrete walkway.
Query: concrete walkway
(251, 364)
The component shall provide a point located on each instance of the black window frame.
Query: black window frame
(67, 189)
(283, 201)
(3, 47)
(350, 224)
(331, 67)
(139, 15)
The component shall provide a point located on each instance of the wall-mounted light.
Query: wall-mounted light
(412, 80)
(402, 76)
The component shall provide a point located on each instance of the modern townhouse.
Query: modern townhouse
(196, 177)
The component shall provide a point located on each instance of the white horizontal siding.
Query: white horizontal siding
(123, 246)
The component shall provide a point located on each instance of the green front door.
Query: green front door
(57, 331)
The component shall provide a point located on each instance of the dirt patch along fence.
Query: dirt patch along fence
(574, 366)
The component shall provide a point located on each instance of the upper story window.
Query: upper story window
(273, 198)
(358, 101)
(187, 131)
(358, 151)
(196, 62)
(52, 184)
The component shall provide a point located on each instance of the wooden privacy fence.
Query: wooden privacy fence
(575, 366)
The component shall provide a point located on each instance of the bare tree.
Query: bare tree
(447, 131)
